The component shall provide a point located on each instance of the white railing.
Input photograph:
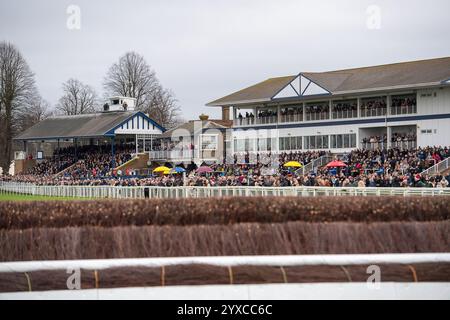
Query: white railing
(171, 154)
(316, 163)
(266, 120)
(119, 192)
(296, 117)
(438, 167)
(344, 114)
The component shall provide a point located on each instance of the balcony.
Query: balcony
(345, 114)
(398, 110)
(298, 117)
(373, 112)
(314, 116)
(244, 121)
(255, 120)
(172, 155)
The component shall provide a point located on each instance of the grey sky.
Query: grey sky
(203, 50)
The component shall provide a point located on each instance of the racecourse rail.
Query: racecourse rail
(125, 192)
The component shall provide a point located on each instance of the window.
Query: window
(290, 143)
(343, 141)
(209, 142)
(316, 142)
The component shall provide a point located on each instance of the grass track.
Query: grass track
(26, 197)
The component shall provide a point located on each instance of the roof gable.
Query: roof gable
(390, 76)
(86, 125)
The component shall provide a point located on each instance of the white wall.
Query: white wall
(438, 102)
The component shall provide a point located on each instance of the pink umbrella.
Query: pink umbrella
(336, 163)
(204, 169)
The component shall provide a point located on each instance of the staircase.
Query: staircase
(315, 164)
(69, 167)
(138, 162)
(442, 167)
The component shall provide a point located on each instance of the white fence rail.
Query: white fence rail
(118, 192)
(438, 167)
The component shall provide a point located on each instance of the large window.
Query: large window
(316, 142)
(266, 144)
(291, 143)
(209, 141)
(244, 144)
(343, 141)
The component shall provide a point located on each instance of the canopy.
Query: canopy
(204, 169)
(161, 169)
(293, 164)
(335, 164)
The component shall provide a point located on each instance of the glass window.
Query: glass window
(209, 142)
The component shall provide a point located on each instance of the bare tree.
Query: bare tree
(163, 108)
(132, 77)
(78, 98)
(16, 86)
(36, 110)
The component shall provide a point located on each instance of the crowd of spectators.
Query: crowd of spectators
(373, 107)
(364, 168)
(403, 105)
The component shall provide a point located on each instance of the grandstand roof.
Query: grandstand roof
(78, 126)
(410, 74)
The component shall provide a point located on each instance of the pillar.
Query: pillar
(226, 113)
(113, 153)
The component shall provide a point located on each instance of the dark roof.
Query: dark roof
(262, 91)
(86, 125)
(358, 80)
(190, 126)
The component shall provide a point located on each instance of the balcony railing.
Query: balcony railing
(344, 114)
(313, 116)
(244, 121)
(373, 112)
(403, 110)
(404, 145)
(267, 120)
(291, 117)
(172, 155)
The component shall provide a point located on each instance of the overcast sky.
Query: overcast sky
(203, 50)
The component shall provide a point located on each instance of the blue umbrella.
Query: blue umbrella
(177, 170)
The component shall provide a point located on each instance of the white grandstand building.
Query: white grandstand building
(404, 105)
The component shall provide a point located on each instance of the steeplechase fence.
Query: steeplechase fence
(124, 192)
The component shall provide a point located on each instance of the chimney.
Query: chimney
(203, 117)
(225, 113)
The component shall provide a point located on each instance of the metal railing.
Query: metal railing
(372, 112)
(313, 165)
(397, 110)
(119, 192)
(266, 120)
(171, 154)
(438, 167)
(296, 117)
(344, 114)
(314, 116)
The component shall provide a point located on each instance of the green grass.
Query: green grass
(26, 197)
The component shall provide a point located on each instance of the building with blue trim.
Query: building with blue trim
(403, 105)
